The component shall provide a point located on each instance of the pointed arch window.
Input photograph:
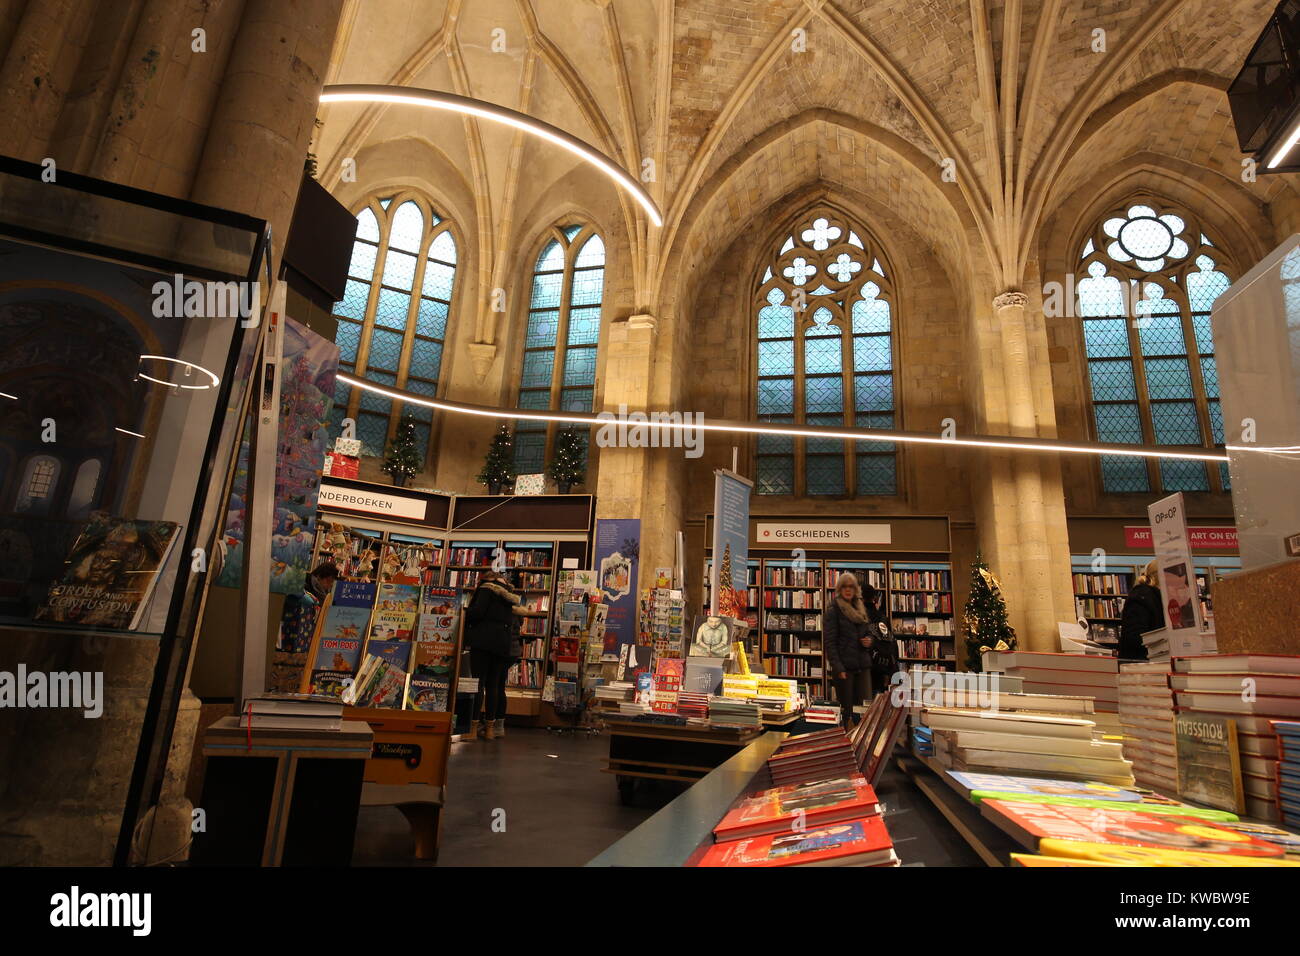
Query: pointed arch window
(1149, 277)
(561, 338)
(824, 330)
(392, 319)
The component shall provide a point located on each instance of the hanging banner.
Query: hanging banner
(1222, 538)
(1173, 551)
(618, 550)
(729, 573)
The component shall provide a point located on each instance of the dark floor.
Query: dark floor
(554, 807)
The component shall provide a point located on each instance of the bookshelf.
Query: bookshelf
(788, 601)
(533, 563)
(1099, 595)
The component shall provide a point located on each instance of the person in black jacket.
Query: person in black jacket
(492, 638)
(1142, 612)
(848, 632)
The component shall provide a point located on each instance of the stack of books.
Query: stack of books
(1021, 742)
(835, 822)
(1288, 771)
(615, 690)
(631, 708)
(1163, 644)
(1146, 716)
(729, 712)
(1070, 675)
(1252, 690)
(693, 704)
(822, 712)
(293, 712)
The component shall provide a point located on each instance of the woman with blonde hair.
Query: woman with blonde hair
(1142, 612)
(848, 632)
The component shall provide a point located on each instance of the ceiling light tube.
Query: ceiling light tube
(7, 395)
(1292, 138)
(435, 99)
(214, 381)
(125, 432)
(802, 431)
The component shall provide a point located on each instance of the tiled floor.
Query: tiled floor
(538, 799)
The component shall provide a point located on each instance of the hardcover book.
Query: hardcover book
(971, 783)
(396, 609)
(1209, 766)
(861, 842)
(110, 574)
(339, 645)
(780, 809)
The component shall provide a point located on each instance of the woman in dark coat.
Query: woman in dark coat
(1143, 611)
(848, 633)
(492, 638)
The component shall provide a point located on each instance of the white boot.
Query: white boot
(500, 727)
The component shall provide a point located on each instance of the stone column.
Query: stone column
(38, 71)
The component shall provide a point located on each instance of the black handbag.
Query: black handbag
(884, 651)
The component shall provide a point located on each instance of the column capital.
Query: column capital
(1009, 300)
(482, 355)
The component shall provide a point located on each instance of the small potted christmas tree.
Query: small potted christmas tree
(499, 466)
(568, 465)
(403, 458)
(984, 621)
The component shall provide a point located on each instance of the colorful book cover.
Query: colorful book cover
(1209, 766)
(439, 600)
(385, 688)
(109, 574)
(1221, 817)
(1121, 826)
(970, 783)
(843, 841)
(703, 675)
(1152, 856)
(429, 693)
(667, 684)
(341, 636)
(397, 653)
(396, 609)
(566, 696)
(780, 809)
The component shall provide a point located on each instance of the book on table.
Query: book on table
(804, 806)
(860, 842)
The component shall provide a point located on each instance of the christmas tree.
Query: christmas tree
(403, 459)
(499, 466)
(568, 465)
(984, 619)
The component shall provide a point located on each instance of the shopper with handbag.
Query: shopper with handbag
(884, 648)
(848, 633)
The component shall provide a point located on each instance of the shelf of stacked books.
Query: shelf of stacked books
(921, 612)
(1099, 597)
(1064, 788)
(791, 624)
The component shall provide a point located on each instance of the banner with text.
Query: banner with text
(1173, 550)
(1222, 537)
(618, 551)
(729, 574)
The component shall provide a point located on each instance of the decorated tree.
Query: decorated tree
(984, 619)
(403, 458)
(568, 465)
(499, 466)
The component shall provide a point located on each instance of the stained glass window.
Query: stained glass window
(1149, 278)
(561, 335)
(392, 320)
(825, 357)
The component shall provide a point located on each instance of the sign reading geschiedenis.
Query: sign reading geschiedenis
(822, 532)
(371, 502)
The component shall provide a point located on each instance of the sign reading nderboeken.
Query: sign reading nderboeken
(371, 502)
(822, 532)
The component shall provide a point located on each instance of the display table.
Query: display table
(683, 830)
(640, 749)
(273, 797)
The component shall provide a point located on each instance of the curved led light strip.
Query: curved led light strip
(189, 365)
(763, 428)
(435, 99)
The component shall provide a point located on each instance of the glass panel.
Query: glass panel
(1123, 473)
(551, 258)
(538, 366)
(1168, 378)
(591, 254)
(1210, 376)
(821, 354)
(372, 429)
(870, 315)
(1119, 424)
(392, 309)
(823, 395)
(877, 475)
(580, 366)
(348, 338)
(1183, 475)
(438, 281)
(874, 420)
(353, 303)
(1161, 335)
(385, 351)
(399, 270)
(584, 326)
(1100, 294)
(775, 445)
(776, 358)
(824, 474)
(576, 399)
(775, 321)
(1225, 479)
(775, 396)
(535, 398)
(1106, 338)
(873, 393)
(1176, 423)
(1112, 380)
(408, 228)
(373, 401)
(443, 247)
(1203, 288)
(543, 328)
(431, 319)
(1216, 421)
(1204, 334)
(530, 452)
(362, 265)
(546, 291)
(570, 231)
(775, 476)
(587, 286)
(422, 440)
(367, 226)
(871, 353)
(426, 358)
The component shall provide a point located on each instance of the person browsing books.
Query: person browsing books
(492, 638)
(1142, 612)
(848, 632)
